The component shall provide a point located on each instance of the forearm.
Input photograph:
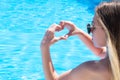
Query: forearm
(87, 39)
(49, 71)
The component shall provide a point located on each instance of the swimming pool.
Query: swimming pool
(22, 26)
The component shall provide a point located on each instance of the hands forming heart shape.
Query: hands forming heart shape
(50, 37)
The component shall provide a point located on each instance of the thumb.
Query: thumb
(57, 39)
(68, 34)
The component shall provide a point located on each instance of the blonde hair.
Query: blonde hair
(109, 14)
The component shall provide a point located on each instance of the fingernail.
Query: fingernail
(66, 36)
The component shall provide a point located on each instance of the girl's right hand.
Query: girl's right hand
(73, 29)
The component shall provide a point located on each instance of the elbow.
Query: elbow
(53, 76)
(101, 52)
(102, 55)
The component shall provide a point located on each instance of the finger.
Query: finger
(65, 37)
(69, 34)
(53, 41)
(52, 27)
(58, 28)
(55, 27)
(56, 39)
(62, 24)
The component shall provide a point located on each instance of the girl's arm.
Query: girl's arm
(47, 41)
(87, 39)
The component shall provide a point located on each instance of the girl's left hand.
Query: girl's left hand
(49, 37)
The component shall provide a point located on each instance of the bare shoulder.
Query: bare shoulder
(90, 70)
(94, 70)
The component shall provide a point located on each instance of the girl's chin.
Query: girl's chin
(98, 45)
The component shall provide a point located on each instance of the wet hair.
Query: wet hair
(109, 16)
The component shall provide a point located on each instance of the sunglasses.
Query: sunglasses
(90, 29)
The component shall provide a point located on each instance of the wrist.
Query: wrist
(78, 31)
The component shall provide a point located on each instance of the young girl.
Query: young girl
(105, 33)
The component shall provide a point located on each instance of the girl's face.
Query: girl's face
(98, 34)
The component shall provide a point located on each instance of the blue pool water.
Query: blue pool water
(22, 26)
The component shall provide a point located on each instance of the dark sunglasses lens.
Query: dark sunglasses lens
(88, 28)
